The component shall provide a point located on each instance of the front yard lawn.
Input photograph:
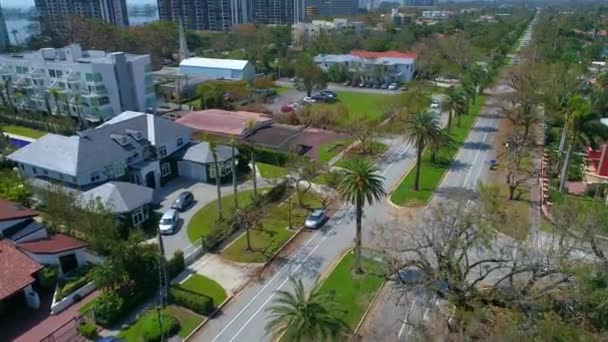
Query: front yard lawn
(23, 131)
(271, 171)
(328, 151)
(187, 319)
(206, 287)
(203, 222)
(360, 104)
(354, 293)
(432, 173)
(273, 232)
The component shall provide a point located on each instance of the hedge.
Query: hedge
(111, 307)
(88, 330)
(176, 264)
(190, 300)
(264, 155)
(151, 331)
(71, 286)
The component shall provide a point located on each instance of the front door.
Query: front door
(150, 180)
(68, 263)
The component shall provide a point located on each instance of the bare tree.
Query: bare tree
(516, 149)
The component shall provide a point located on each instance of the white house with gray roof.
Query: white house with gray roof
(95, 85)
(119, 160)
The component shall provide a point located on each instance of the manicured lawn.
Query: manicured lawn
(376, 148)
(23, 131)
(328, 151)
(432, 173)
(203, 222)
(206, 287)
(271, 171)
(353, 292)
(362, 104)
(273, 232)
(187, 319)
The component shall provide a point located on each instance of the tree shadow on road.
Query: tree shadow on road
(481, 146)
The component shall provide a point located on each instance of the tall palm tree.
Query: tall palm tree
(234, 175)
(299, 317)
(444, 140)
(250, 126)
(422, 129)
(218, 177)
(453, 105)
(360, 184)
(584, 125)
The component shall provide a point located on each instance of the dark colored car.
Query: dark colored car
(183, 201)
(415, 278)
(323, 98)
(328, 93)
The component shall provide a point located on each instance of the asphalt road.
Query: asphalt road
(245, 317)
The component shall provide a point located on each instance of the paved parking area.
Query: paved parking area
(203, 194)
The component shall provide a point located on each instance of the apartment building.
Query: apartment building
(111, 11)
(279, 12)
(304, 32)
(94, 85)
(368, 66)
(4, 40)
(213, 15)
(331, 8)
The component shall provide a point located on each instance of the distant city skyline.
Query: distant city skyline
(30, 3)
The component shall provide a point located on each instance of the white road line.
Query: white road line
(407, 318)
(466, 180)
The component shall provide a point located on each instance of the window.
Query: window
(35, 170)
(95, 177)
(22, 167)
(162, 151)
(165, 169)
(138, 216)
(45, 172)
(52, 73)
(180, 142)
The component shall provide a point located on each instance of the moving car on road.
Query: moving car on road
(316, 219)
(183, 201)
(168, 222)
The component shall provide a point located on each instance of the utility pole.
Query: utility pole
(162, 272)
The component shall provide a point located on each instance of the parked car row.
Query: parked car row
(376, 85)
(170, 219)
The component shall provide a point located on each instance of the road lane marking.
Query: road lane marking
(466, 180)
(406, 318)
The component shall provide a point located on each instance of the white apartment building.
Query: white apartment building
(304, 32)
(94, 85)
(369, 66)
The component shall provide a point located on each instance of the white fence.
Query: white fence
(68, 300)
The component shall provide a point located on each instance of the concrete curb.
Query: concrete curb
(207, 318)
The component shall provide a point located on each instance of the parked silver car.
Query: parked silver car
(168, 222)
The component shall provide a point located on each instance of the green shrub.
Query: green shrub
(109, 308)
(71, 286)
(176, 264)
(275, 194)
(195, 302)
(264, 155)
(151, 331)
(48, 277)
(88, 330)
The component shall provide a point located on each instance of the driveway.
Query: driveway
(203, 194)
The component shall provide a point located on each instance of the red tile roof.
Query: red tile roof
(16, 269)
(53, 244)
(224, 122)
(10, 211)
(390, 54)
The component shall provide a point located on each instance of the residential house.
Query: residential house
(597, 162)
(17, 222)
(197, 161)
(59, 250)
(17, 274)
(388, 66)
(225, 123)
(218, 68)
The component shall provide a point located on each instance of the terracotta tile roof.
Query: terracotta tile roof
(16, 269)
(53, 244)
(388, 54)
(10, 211)
(224, 122)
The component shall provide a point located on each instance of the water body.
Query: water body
(19, 30)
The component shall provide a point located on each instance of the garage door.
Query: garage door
(191, 170)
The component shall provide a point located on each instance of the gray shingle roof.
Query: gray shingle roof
(201, 153)
(94, 149)
(120, 197)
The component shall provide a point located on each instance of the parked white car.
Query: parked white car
(308, 99)
(393, 86)
(434, 105)
(168, 222)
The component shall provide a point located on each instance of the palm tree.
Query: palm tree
(361, 183)
(583, 124)
(234, 175)
(218, 178)
(444, 140)
(55, 94)
(422, 129)
(453, 105)
(250, 126)
(299, 317)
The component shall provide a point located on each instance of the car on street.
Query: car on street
(361, 85)
(384, 86)
(293, 79)
(323, 98)
(168, 222)
(308, 99)
(316, 219)
(328, 93)
(393, 86)
(346, 83)
(183, 200)
(435, 105)
(414, 277)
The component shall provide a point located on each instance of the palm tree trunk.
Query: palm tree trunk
(218, 185)
(255, 181)
(418, 166)
(563, 177)
(357, 267)
(562, 141)
(449, 120)
(248, 238)
(234, 179)
(458, 122)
